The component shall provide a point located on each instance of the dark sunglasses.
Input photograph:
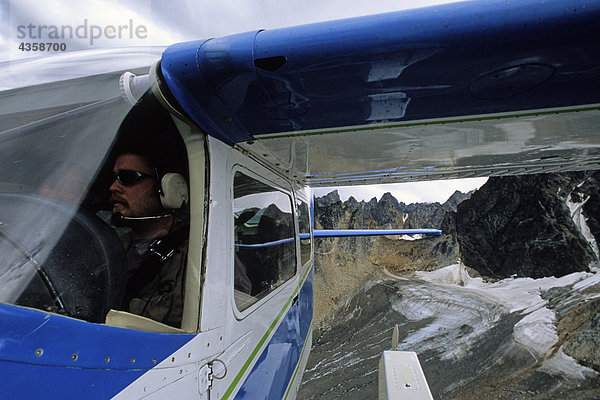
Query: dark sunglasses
(129, 177)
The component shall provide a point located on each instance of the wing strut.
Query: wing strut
(374, 232)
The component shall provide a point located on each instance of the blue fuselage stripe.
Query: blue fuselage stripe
(271, 375)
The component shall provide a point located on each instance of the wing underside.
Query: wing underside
(480, 146)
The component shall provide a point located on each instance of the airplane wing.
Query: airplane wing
(460, 90)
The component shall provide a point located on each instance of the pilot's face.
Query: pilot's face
(139, 199)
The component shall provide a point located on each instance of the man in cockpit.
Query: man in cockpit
(157, 244)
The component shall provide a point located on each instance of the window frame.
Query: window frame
(292, 280)
(302, 197)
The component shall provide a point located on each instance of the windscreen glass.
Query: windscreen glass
(53, 245)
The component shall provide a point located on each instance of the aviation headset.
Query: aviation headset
(173, 191)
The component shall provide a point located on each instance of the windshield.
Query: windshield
(56, 253)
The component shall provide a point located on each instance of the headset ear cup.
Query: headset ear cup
(175, 191)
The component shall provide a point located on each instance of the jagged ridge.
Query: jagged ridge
(521, 226)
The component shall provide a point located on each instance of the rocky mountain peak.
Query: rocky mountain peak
(327, 200)
(522, 226)
(389, 198)
(456, 198)
(352, 202)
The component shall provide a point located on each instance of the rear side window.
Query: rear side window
(265, 255)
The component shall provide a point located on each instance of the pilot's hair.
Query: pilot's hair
(149, 131)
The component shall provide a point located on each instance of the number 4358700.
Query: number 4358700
(48, 46)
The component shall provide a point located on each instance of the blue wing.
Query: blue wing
(465, 89)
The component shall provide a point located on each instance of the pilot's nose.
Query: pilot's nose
(116, 186)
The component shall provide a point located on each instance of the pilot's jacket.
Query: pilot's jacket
(156, 289)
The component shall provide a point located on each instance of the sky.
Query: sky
(100, 24)
(161, 23)
(413, 192)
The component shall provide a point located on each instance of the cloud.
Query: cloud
(182, 20)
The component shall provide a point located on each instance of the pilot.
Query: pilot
(158, 242)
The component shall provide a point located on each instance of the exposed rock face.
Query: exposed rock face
(589, 193)
(522, 226)
(529, 226)
(512, 226)
(350, 261)
(332, 213)
(431, 215)
(583, 343)
(578, 323)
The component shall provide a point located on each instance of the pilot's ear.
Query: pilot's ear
(175, 192)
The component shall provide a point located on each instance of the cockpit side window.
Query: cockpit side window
(265, 255)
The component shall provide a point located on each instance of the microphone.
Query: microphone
(144, 218)
(119, 219)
